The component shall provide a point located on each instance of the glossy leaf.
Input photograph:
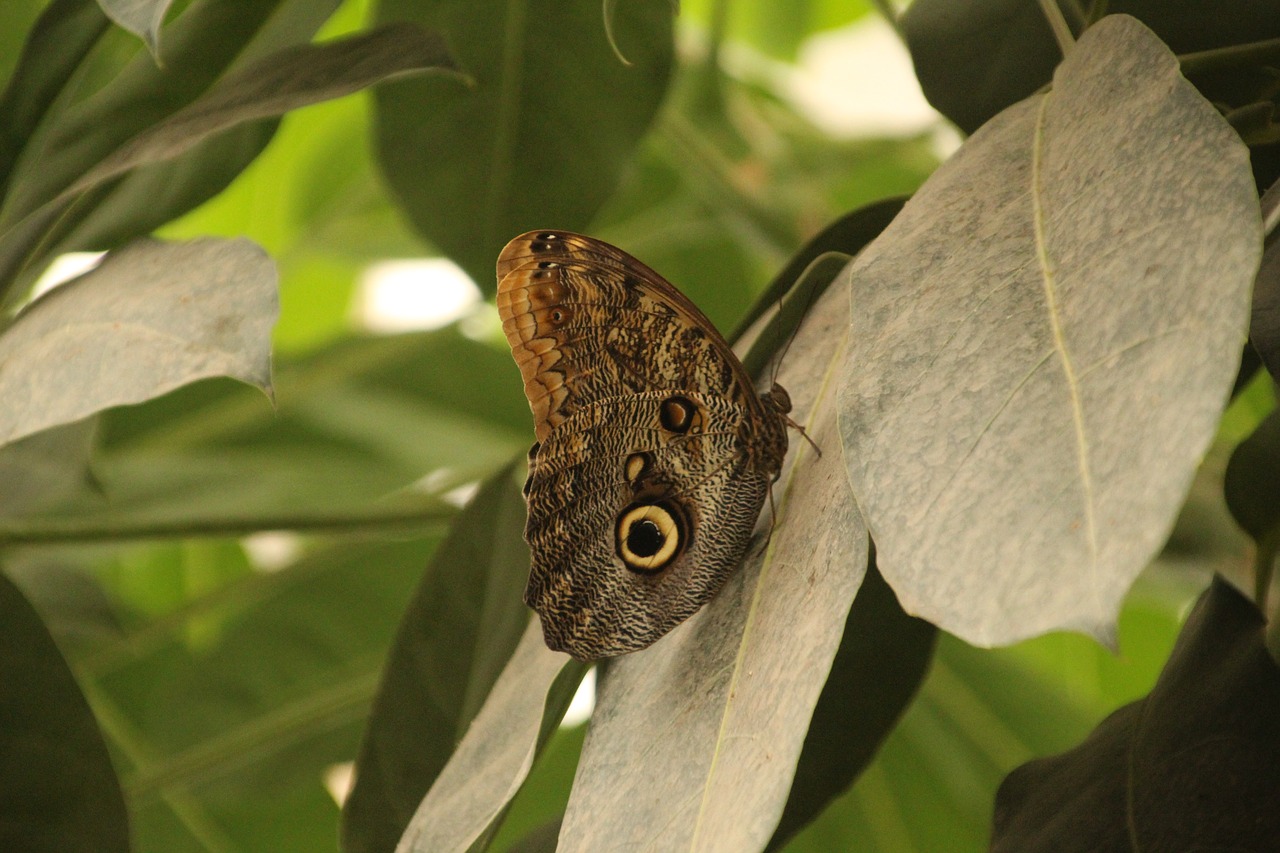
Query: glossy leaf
(1054, 322)
(716, 712)
(462, 625)
(151, 317)
(1191, 766)
(66, 798)
(548, 125)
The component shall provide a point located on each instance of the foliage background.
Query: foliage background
(232, 685)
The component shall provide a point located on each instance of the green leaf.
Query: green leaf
(140, 17)
(882, 660)
(1264, 323)
(716, 712)
(56, 46)
(45, 468)
(975, 59)
(1191, 766)
(1252, 481)
(1054, 348)
(274, 85)
(461, 627)
(151, 317)
(59, 793)
(548, 126)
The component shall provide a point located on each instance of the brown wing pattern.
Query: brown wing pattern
(654, 451)
(585, 321)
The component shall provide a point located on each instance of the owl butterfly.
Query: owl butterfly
(654, 452)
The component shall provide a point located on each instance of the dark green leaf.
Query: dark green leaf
(59, 792)
(453, 641)
(1252, 481)
(56, 46)
(45, 468)
(541, 137)
(976, 58)
(877, 671)
(848, 235)
(1264, 323)
(1192, 766)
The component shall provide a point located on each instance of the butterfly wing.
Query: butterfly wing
(654, 451)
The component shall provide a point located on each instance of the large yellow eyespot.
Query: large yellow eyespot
(648, 537)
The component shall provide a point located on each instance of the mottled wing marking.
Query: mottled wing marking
(654, 452)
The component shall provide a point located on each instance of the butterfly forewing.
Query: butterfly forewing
(654, 452)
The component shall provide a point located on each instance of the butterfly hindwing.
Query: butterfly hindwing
(654, 452)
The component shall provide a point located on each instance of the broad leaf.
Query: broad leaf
(462, 810)
(461, 627)
(547, 127)
(716, 712)
(59, 793)
(151, 317)
(1192, 766)
(1043, 342)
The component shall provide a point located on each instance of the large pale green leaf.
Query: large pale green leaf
(1043, 342)
(462, 810)
(883, 657)
(58, 793)
(542, 135)
(453, 641)
(716, 712)
(151, 317)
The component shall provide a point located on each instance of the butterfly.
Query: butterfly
(654, 451)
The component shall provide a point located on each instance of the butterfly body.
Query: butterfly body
(654, 451)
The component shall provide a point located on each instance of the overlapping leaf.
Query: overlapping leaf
(1043, 342)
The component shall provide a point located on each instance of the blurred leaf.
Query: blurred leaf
(140, 17)
(538, 809)
(975, 59)
(1192, 766)
(717, 710)
(151, 317)
(1009, 352)
(882, 660)
(778, 29)
(45, 468)
(462, 810)
(461, 627)
(541, 137)
(56, 46)
(66, 798)
(230, 710)
(276, 84)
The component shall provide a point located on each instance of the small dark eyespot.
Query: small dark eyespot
(540, 247)
(548, 235)
(676, 414)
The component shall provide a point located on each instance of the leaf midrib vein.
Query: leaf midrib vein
(1059, 340)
